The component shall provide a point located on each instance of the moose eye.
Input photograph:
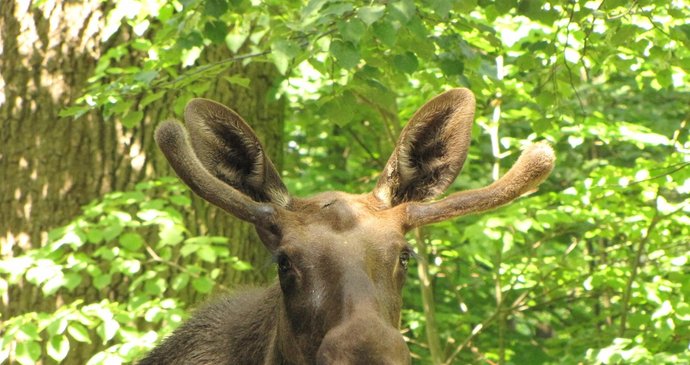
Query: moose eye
(404, 259)
(284, 265)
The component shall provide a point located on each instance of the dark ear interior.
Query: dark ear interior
(430, 151)
(228, 148)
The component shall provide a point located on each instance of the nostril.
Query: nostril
(363, 342)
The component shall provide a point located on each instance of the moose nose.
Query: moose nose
(366, 340)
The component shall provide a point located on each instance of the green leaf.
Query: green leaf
(465, 6)
(405, 9)
(188, 249)
(451, 66)
(57, 326)
(345, 53)
(108, 329)
(79, 332)
(386, 33)
(370, 14)
(206, 240)
(155, 287)
(206, 253)
(101, 281)
(180, 281)
(72, 280)
(150, 98)
(203, 284)
(132, 118)
(57, 347)
(141, 44)
(351, 30)
(216, 31)
(505, 6)
(287, 47)
(94, 235)
(282, 52)
(240, 265)
(28, 352)
(127, 267)
(235, 80)
(171, 235)
(338, 110)
(53, 285)
(406, 62)
(29, 331)
(337, 10)
(145, 77)
(112, 230)
(131, 241)
(683, 312)
(153, 314)
(665, 78)
(312, 7)
(442, 7)
(190, 40)
(623, 34)
(215, 8)
(74, 111)
(541, 125)
(235, 40)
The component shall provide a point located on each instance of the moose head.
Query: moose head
(342, 258)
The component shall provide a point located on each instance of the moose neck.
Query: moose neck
(294, 345)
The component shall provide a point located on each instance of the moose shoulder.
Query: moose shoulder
(342, 258)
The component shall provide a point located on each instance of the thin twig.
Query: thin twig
(385, 115)
(157, 258)
(669, 172)
(565, 61)
(364, 146)
(637, 262)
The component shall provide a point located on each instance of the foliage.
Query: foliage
(126, 242)
(593, 269)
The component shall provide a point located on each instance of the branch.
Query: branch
(475, 331)
(354, 135)
(385, 115)
(637, 262)
(432, 333)
(565, 62)
(156, 258)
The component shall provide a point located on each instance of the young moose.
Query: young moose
(342, 258)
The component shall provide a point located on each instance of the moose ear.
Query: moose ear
(431, 150)
(228, 148)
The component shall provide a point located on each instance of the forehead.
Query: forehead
(335, 216)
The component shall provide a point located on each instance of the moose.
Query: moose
(341, 258)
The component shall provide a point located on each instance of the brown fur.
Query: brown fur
(341, 257)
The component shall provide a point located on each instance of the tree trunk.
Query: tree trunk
(51, 166)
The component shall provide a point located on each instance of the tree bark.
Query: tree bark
(51, 166)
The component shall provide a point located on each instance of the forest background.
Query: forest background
(104, 251)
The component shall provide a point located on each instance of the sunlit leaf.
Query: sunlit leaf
(79, 332)
(28, 352)
(58, 347)
(131, 241)
(370, 14)
(107, 329)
